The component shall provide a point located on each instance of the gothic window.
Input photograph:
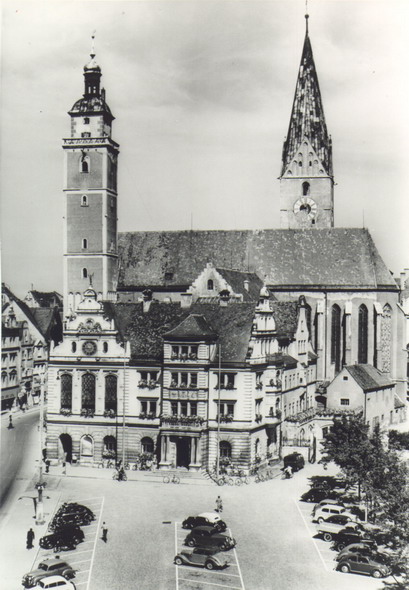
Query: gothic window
(105, 347)
(73, 347)
(84, 201)
(88, 392)
(305, 188)
(111, 383)
(210, 285)
(66, 391)
(225, 449)
(84, 273)
(84, 160)
(84, 243)
(386, 338)
(362, 334)
(147, 445)
(336, 337)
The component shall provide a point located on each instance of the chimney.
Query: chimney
(186, 300)
(402, 280)
(147, 299)
(247, 284)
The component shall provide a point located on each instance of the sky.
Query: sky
(202, 94)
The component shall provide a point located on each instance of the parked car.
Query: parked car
(318, 494)
(365, 548)
(295, 461)
(324, 512)
(363, 564)
(202, 557)
(357, 510)
(207, 536)
(329, 528)
(63, 539)
(48, 567)
(205, 519)
(74, 508)
(70, 518)
(55, 583)
(327, 501)
(349, 536)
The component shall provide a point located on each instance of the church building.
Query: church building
(190, 344)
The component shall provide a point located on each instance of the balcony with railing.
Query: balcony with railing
(182, 423)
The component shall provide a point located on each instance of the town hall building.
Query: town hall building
(189, 345)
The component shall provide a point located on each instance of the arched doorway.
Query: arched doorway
(87, 448)
(183, 451)
(65, 448)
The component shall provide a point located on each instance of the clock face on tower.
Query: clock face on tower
(89, 347)
(305, 207)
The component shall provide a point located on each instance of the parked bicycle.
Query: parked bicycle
(173, 479)
(120, 475)
(242, 480)
(225, 480)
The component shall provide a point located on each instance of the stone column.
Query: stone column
(164, 457)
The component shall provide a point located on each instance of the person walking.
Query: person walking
(219, 504)
(30, 539)
(64, 468)
(10, 421)
(104, 530)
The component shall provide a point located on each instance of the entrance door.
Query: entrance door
(183, 451)
(65, 448)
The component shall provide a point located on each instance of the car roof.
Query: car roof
(203, 528)
(51, 579)
(210, 515)
(52, 561)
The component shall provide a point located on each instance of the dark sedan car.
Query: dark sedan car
(69, 518)
(192, 522)
(363, 564)
(74, 508)
(347, 536)
(317, 494)
(364, 548)
(207, 536)
(63, 539)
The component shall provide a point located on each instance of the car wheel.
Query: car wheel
(191, 543)
(344, 568)
(376, 574)
(209, 565)
(327, 537)
(341, 546)
(178, 561)
(320, 520)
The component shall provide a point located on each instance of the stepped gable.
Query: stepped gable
(230, 325)
(368, 377)
(339, 258)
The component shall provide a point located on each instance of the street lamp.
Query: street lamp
(40, 485)
(218, 415)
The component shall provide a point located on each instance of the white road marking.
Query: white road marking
(312, 539)
(95, 543)
(210, 583)
(215, 571)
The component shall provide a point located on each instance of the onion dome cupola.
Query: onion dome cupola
(92, 109)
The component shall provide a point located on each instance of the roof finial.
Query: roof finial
(307, 16)
(93, 45)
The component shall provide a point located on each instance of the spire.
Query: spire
(92, 73)
(307, 116)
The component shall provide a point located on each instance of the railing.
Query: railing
(183, 422)
(295, 442)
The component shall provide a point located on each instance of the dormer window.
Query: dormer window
(168, 276)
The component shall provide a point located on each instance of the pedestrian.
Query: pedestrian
(10, 422)
(64, 468)
(30, 539)
(104, 530)
(219, 504)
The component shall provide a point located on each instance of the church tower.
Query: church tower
(90, 190)
(306, 180)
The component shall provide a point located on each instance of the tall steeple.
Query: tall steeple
(306, 181)
(90, 223)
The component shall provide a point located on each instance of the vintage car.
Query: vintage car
(364, 564)
(48, 567)
(65, 538)
(208, 536)
(205, 519)
(202, 557)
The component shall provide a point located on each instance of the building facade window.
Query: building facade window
(225, 449)
(226, 409)
(105, 347)
(87, 446)
(84, 201)
(362, 334)
(84, 244)
(148, 407)
(227, 380)
(336, 337)
(84, 273)
(147, 445)
(183, 380)
(111, 392)
(88, 392)
(109, 445)
(66, 391)
(210, 285)
(344, 401)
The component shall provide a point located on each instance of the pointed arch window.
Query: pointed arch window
(66, 391)
(362, 334)
(336, 337)
(111, 387)
(88, 392)
(84, 161)
(84, 201)
(210, 285)
(386, 338)
(84, 273)
(306, 188)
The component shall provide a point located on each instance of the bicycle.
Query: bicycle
(120, 477)
(224, 480)
(173, 479)
(243, 479)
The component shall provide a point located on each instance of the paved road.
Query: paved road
(17, 452)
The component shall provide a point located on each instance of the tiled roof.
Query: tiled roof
(285, 317)
(368, 377)
(44, 319)
(398, 403)
(311, 258)
(281, 360)
(45, 298)
(236, 279)
(145, 330)
(193, 327)
(307, 116)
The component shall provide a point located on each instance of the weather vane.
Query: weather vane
(93, 44)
